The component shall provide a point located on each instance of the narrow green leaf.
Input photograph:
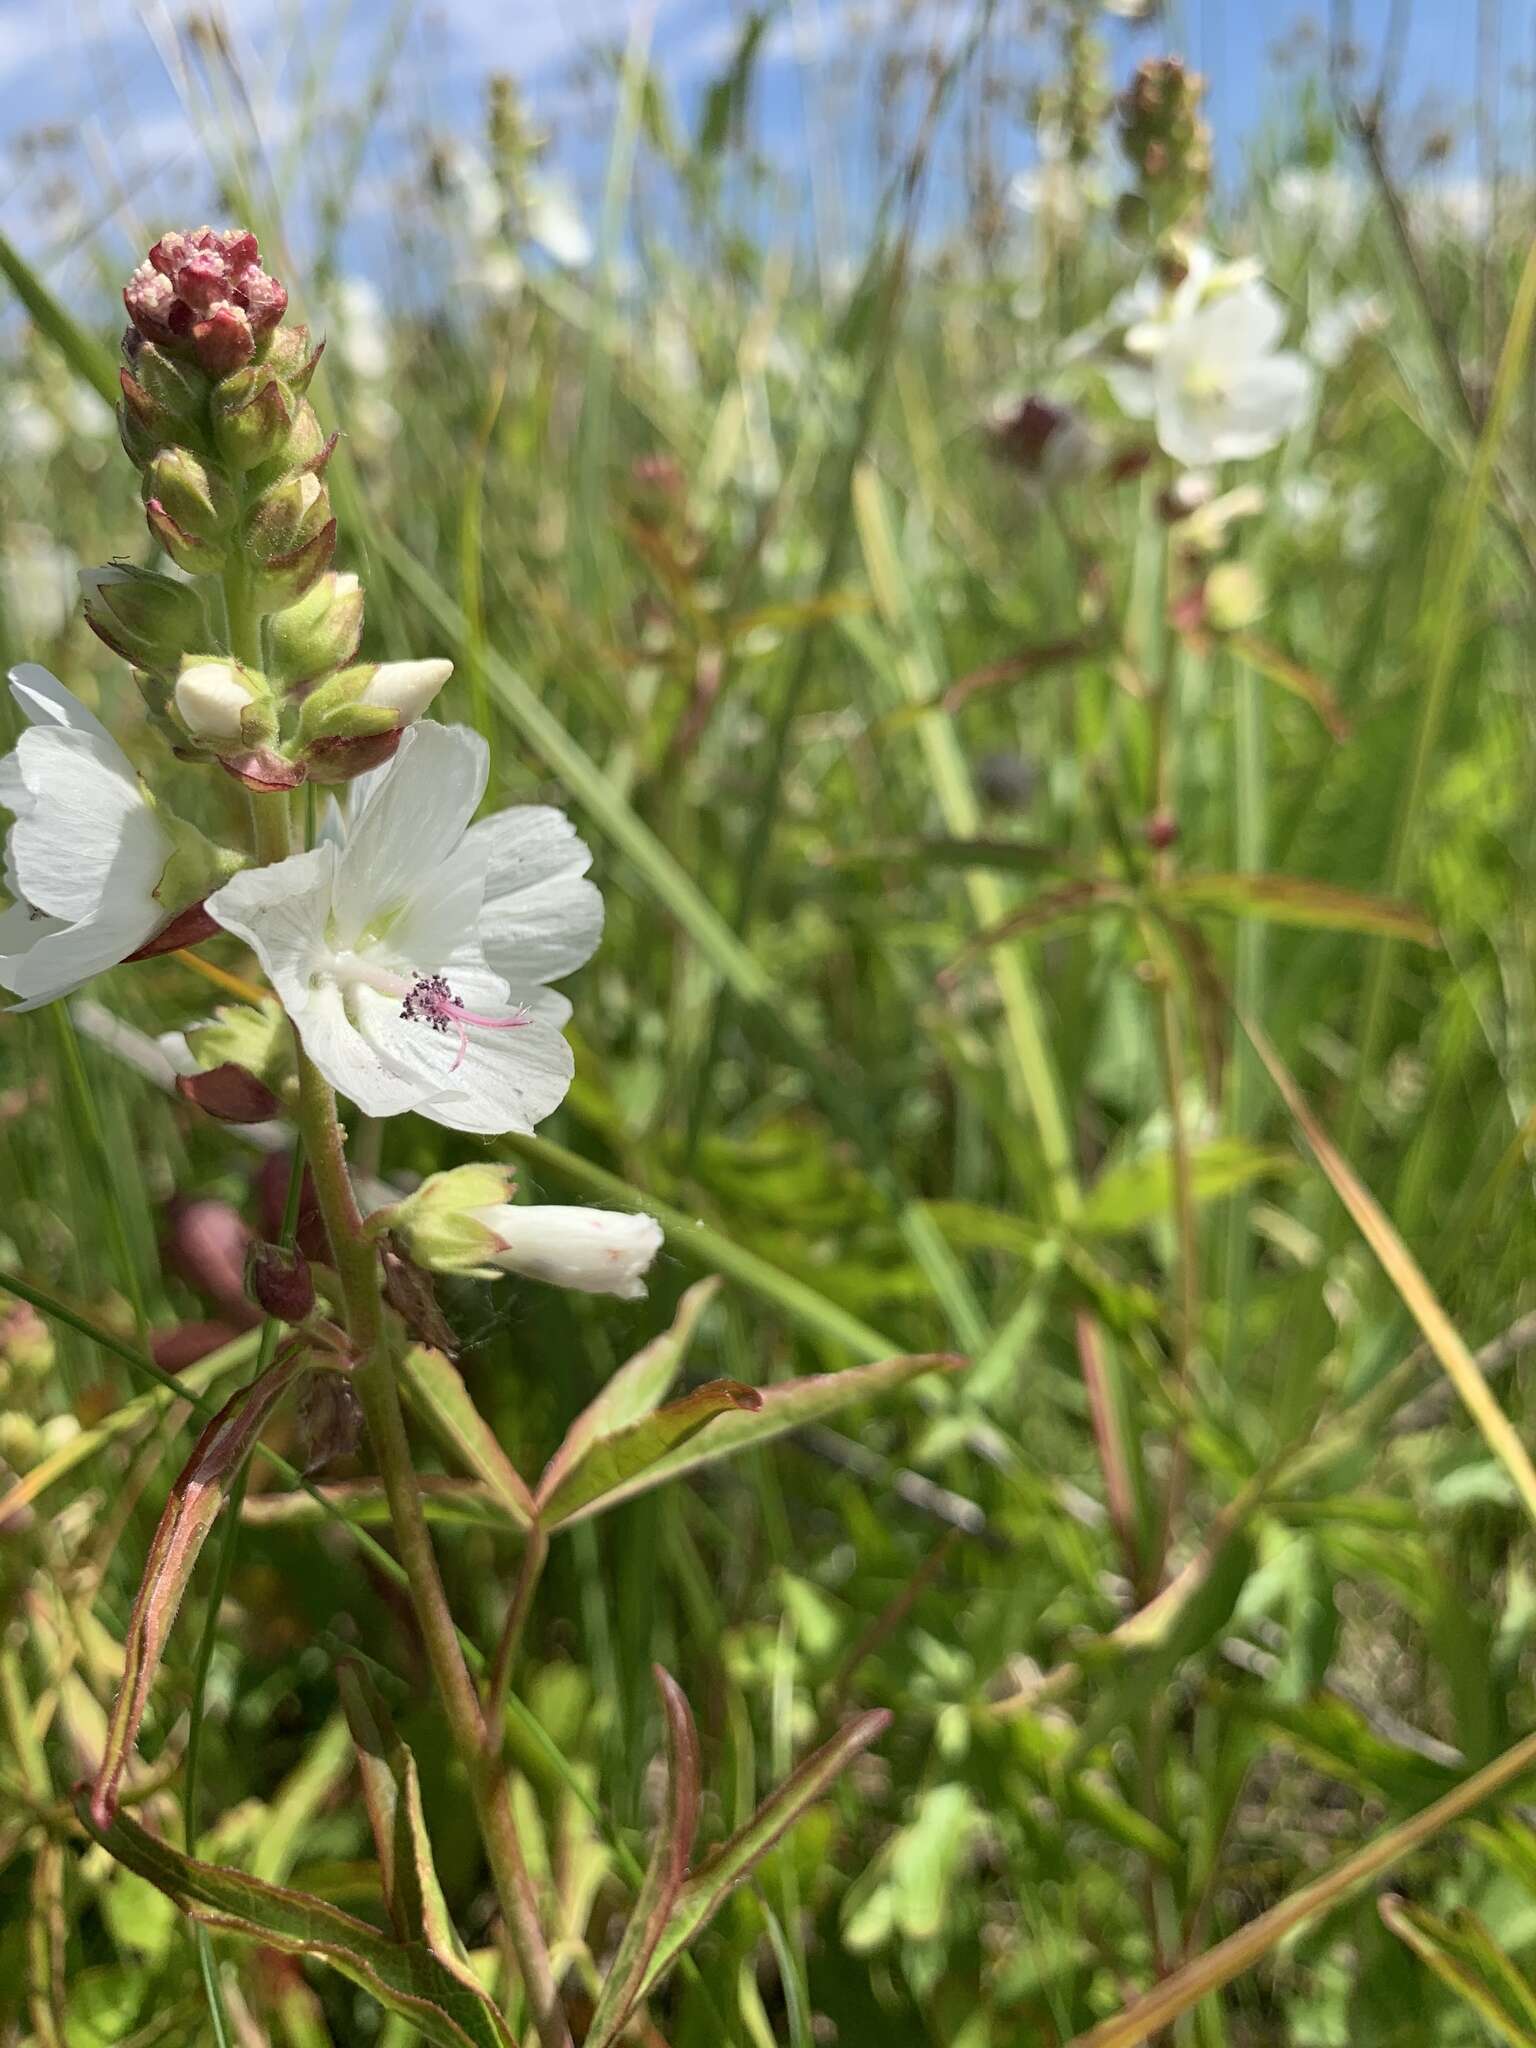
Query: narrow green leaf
(190, 1512)
(1465, 1957)
(466, 1503)
(634, 1390)
(615, 1466)
(664, 1875)
(405, 1978)
(789, 1405)
(85, 355)
(442, 1399)
(707, 1890)
(1299, 900)
(392, 1795)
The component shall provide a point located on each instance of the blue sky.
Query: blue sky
(104, 74)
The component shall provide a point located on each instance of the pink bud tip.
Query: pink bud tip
(207, 292)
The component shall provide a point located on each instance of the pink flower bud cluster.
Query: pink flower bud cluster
(208, 292)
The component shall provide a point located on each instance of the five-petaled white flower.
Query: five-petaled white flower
(413, 955)
(85, 854)
(1207, 372)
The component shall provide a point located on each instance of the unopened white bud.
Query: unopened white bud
(211, 700)
(406, 687)
(596, 1251)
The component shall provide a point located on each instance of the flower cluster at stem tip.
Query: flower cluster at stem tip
(412, 948)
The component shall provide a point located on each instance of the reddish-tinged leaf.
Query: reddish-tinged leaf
(634, 1390)
(617, 1465)
(789, 1405)
(1302, 682)
(405, 1977)
(665, 1875)
(190, 1513)
(707, 1890)
(1050, 908)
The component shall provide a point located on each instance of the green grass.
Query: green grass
(1201, 1579)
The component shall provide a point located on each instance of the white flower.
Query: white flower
(598, 1251)
(1337, 328)
(85, 854)
(413, 956)
(1218, 389)
(552, 218)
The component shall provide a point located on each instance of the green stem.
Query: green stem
(378, 1396)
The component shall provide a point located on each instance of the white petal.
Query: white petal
(438, 922)
(413, 821)
(541, 919)
(42, 958)
(87, 836)
(45, 701)
(1241, 323)
(553, 220)
(1132, 389)
(281, 912)
(351, 1060)
(508, 1080)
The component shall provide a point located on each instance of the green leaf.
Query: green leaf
(707, 1890)
(85, 355)
(392, 1795)
(740, 1426)
(635, 1389)
(613, 1467)
(725, 104)
(405, 1977)
(1466, 1958)
(1135, 1192)
(664, 1875)
(467, 1503)
(189, 1514)
(443, 1401)
(1298, 900)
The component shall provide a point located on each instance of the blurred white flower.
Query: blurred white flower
(358, 329)
(1058, 192)
(1214, 384)
(1338, 328)
(552, 218)
(414, 956)
(29, 430)
(1327, 206)
(40, 583)
(85, 854)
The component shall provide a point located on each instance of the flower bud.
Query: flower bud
(595, 1251)
(283, 579)
(147, 619)
(318, 634)
(252, 418)
(1049, 443)
(405, 687)
(371, 699)
(286, 515)
(221, 703)
(191, 510)
(439, 1225)
(339, 759)
(288, 353)
(330, 1419)
(278, 1280)
(206, 296)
